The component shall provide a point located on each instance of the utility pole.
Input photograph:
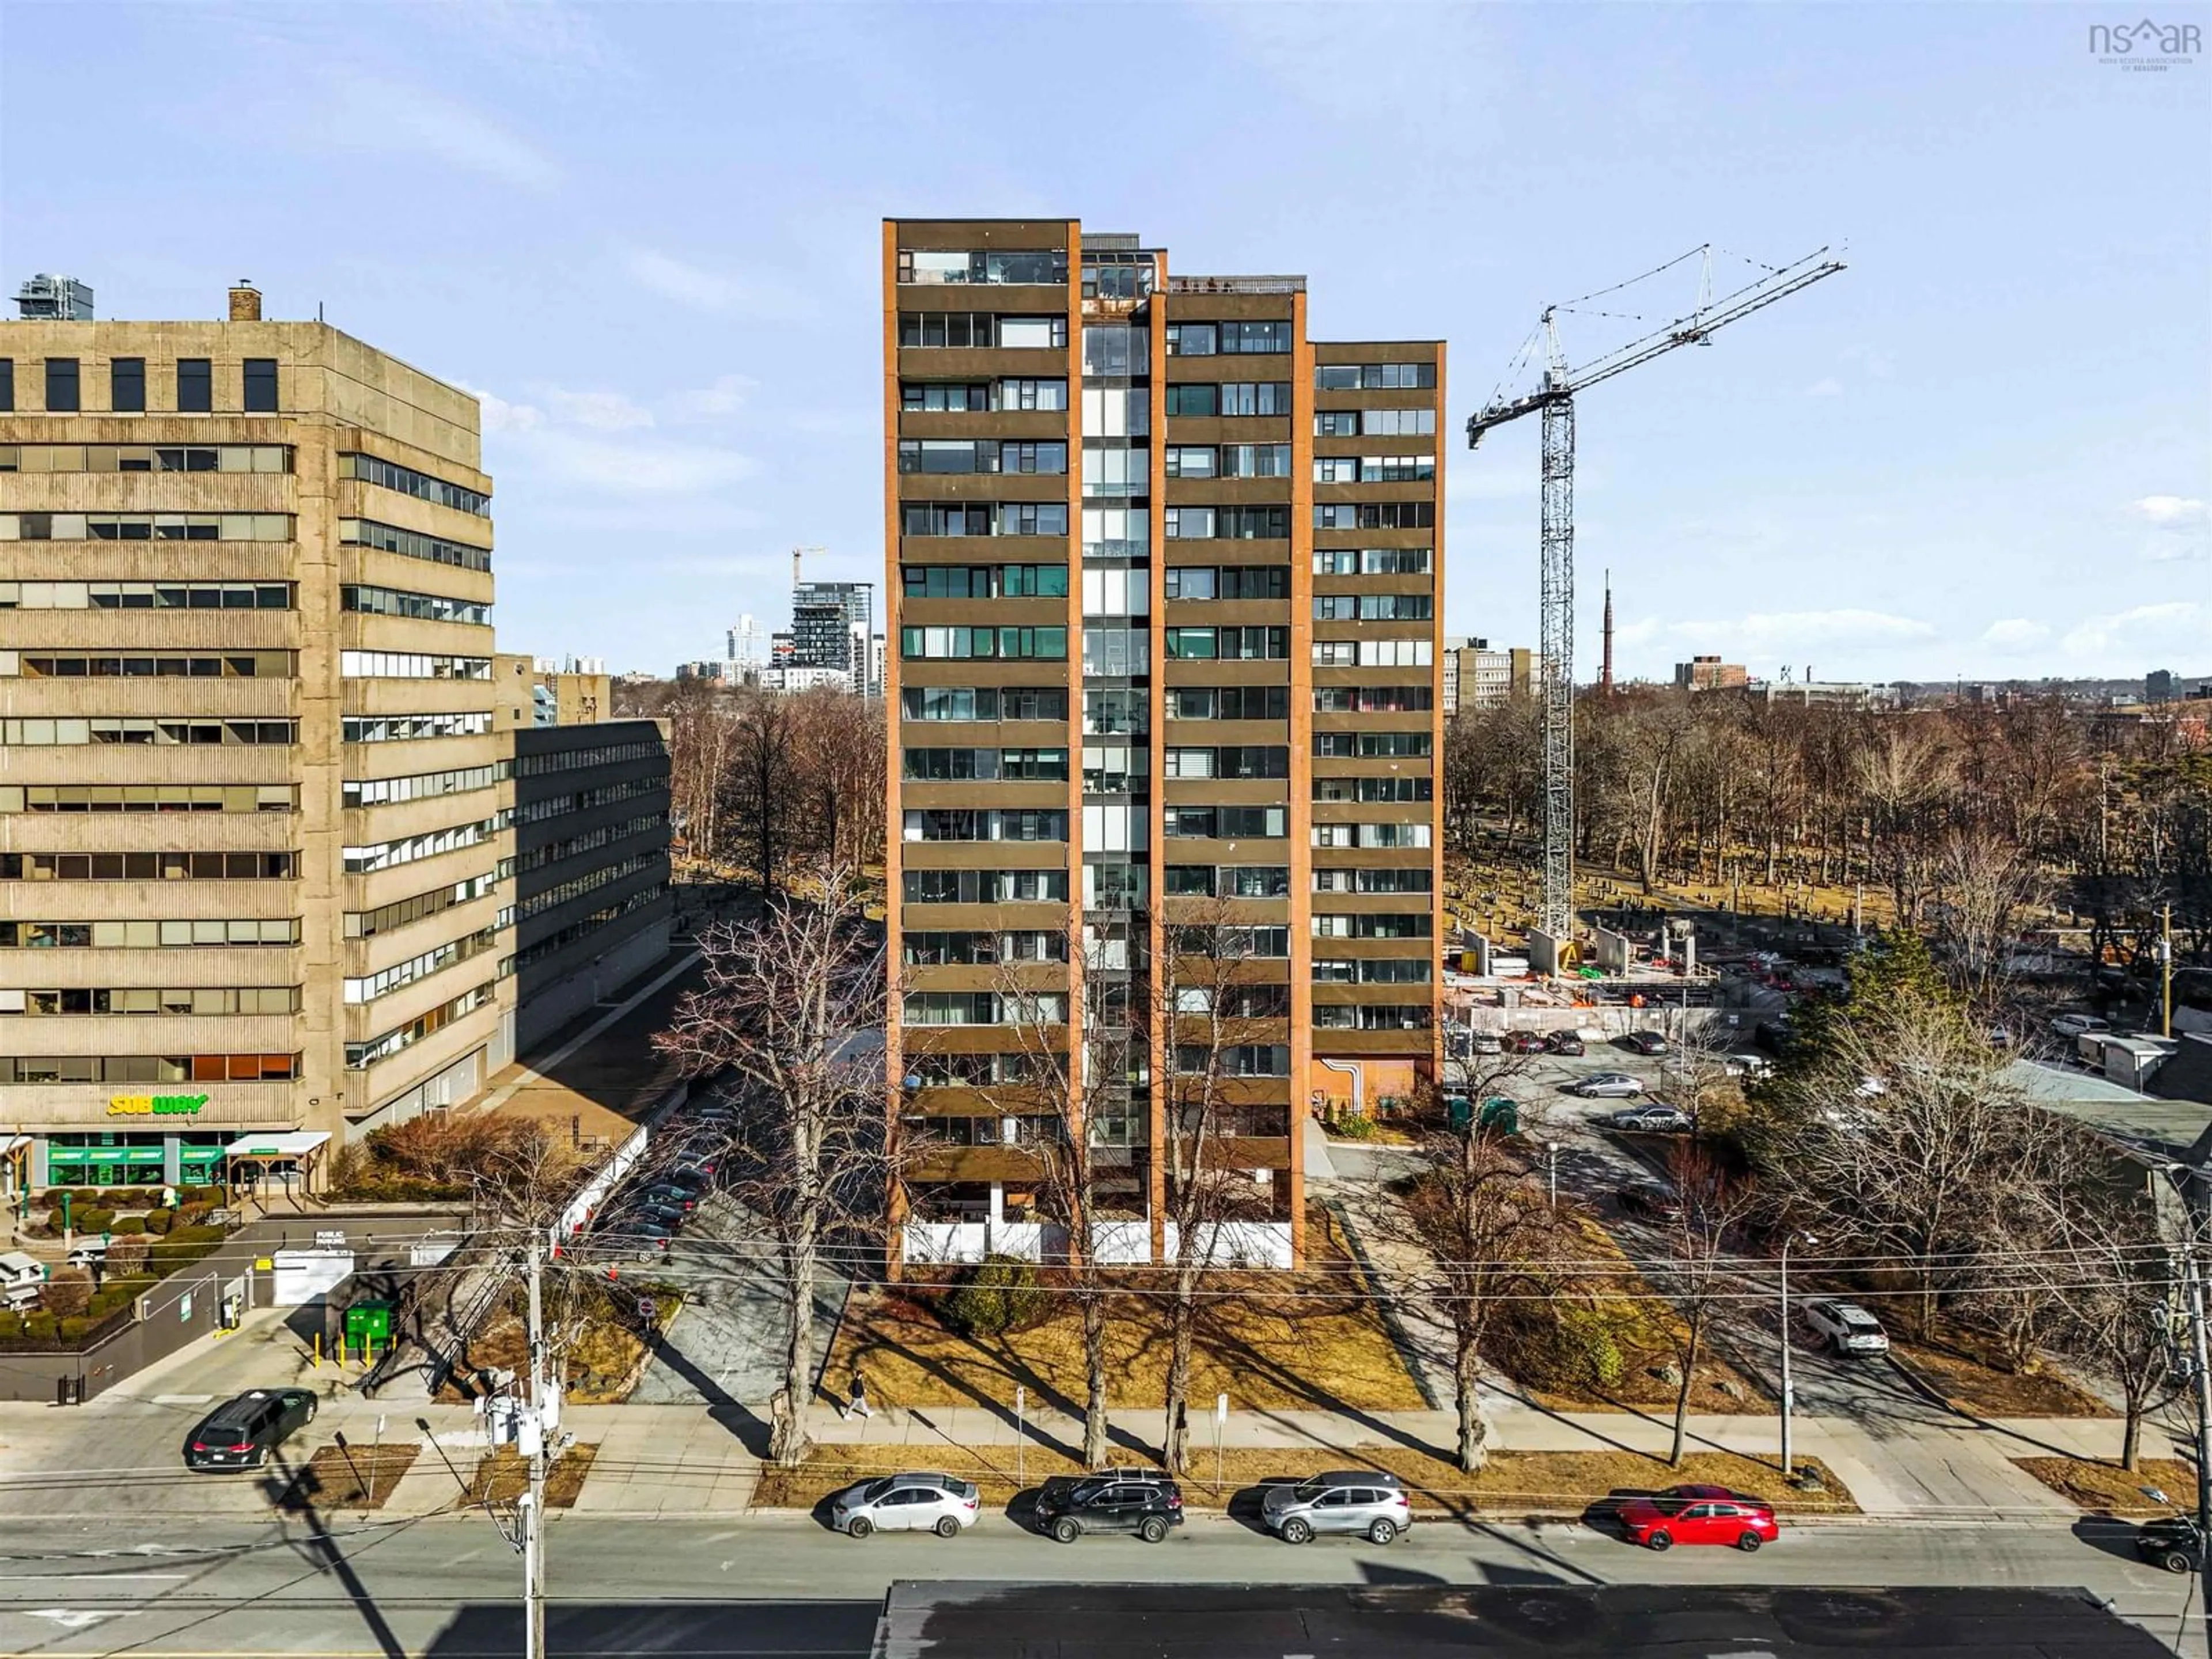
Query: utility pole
(533, 1445)
(1788, 1394)
(2166, 971)
(2195, 1269)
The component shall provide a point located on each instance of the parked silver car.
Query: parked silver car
(905, 1502)
(1363, 1501)
(1607, 1085)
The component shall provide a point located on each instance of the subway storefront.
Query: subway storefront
(163, 1145)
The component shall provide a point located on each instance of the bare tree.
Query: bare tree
(760, 781)
(2109, 1273)
(1066, 1100)
(1475, 1222)
(1896, 1136)
(785, 998)
(1695, 1275)
(1986, 883)
(1225, 1024)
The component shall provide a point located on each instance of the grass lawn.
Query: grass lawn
(1511, 1483)
(1643, 1330)
(1957, 1363)
(1308, 1339)
(505, 1476)
(350, 1477)
(2108, 1489)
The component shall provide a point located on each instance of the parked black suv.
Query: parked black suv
(241, 1433)
(1125, 1500)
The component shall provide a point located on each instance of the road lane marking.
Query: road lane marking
(72, 1618)
(182, 1399)
(89, 1577)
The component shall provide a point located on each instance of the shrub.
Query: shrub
(126, 1225)
(160, 1221)
(192, 1215)
(127, 1255)
(1002, 1294)
(69, 1293)
(40, 1326)
(96, 1220)
(1552, 1343)
(1351, 1126)
(55, 1221)
(11, 1325)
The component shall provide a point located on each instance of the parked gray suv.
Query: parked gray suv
(1363, 1501)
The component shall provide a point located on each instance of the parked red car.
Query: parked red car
(1698, 1515)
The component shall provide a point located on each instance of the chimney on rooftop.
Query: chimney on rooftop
(245, 301)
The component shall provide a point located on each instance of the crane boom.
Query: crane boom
(1555, 398)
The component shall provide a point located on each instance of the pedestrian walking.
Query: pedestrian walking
(857, 1405)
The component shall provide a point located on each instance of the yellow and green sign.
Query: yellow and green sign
(155, 1105)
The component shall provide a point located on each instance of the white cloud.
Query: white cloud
(1827, 387)
(2015, 634)
(602, 411)
(2169, 511)
(726, 397)
(729, 295)
(366, 113)
(568, 441)
(2183, 623)
(1783, 630)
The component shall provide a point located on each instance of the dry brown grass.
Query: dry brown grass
(1644, 1328)
(505, 1476)
(2108, 1489)
(1957, 1363)
(603, 1366)
(1312, 1339)
(350, 1477)
(1511, 1483)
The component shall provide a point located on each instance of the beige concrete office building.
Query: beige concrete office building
(256, 789)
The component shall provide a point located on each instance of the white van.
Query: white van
(22, 1278)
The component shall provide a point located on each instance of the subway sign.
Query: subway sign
(155, 1105)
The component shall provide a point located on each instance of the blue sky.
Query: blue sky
(649, 234)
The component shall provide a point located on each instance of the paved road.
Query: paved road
(726, 1341)
(446, 1587)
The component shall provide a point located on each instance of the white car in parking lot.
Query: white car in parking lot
(905, 1502)
(2067, 1027)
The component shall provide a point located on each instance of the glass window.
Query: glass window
(194, 386)
(1195, 398)
(7, 385)
(1193, 339)
(1016, 333)
(61, 386)
(261, 385)
(126, 384)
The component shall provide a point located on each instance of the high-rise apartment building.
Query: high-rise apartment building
(1165, 578)
(831, 624)
(258, 777)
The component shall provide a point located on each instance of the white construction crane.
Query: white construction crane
(1555, 397)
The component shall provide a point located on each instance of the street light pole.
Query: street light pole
(533, 1514)
(1788, 1393)
(2166, 971)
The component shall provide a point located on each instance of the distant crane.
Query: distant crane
(1555, 398)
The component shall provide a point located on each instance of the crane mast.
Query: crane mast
(1554, 399)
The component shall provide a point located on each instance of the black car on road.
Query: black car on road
(2171, 1542)
(242, 1433)
(1124, 1501)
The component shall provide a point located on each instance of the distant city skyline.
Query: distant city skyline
(1984, 452)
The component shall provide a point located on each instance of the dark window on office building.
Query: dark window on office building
(126, 385)
(7, 385)
(195, 386)
(61, 386)
(261, 385)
